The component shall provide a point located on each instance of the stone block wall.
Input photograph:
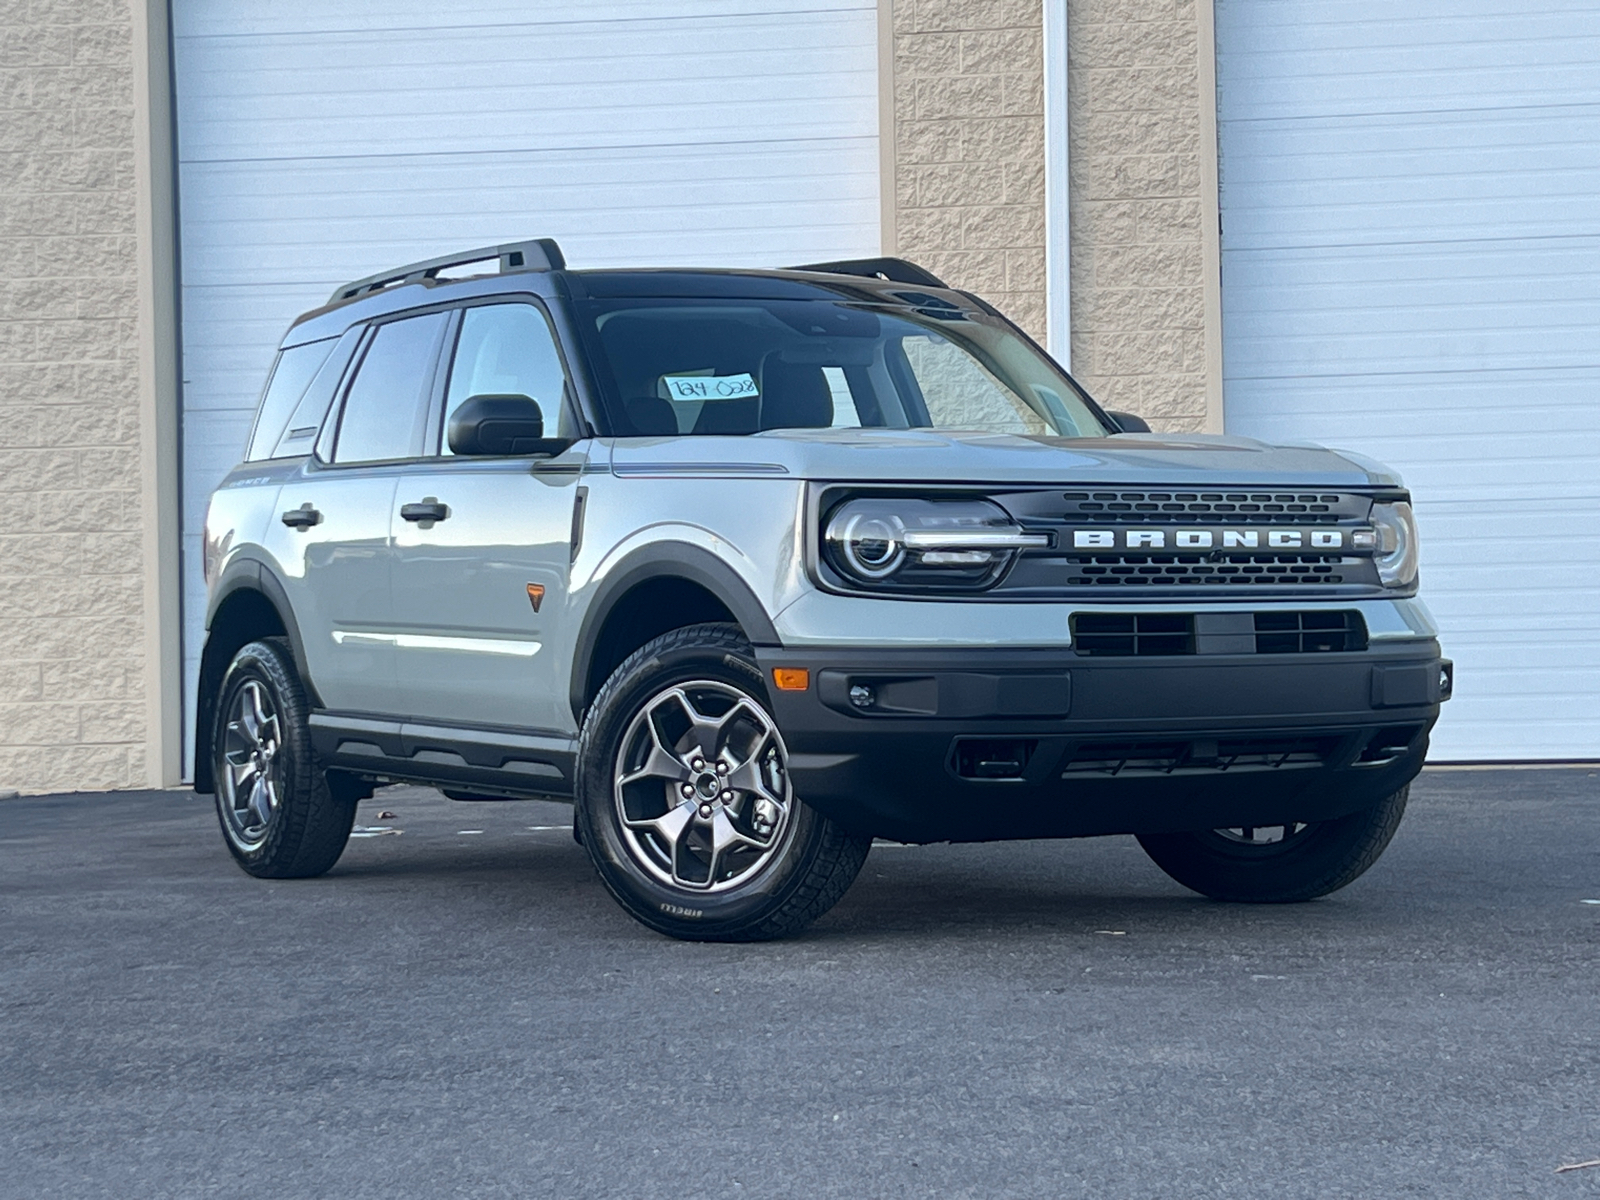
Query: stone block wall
(969, 148)
(72, 708)
(968, 182)
(1138, 282)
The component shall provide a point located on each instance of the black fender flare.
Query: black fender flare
(241, 575)
(665, 560)
(250, 574)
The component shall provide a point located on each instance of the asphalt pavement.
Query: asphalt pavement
(458, 1009)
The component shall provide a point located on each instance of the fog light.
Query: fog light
(861, 696)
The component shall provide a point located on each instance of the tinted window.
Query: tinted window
(290, 374)
(738, 366)
(385, 408)
(508, 350)
(300, 434)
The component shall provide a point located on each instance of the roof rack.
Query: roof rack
(895, 270)
(541, 254)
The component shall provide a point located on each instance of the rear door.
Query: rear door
(332, 537)
(482, 546)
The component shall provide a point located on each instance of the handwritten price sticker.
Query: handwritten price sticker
(710, 387)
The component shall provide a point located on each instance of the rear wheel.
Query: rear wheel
(280, 817)
(1278, 864)
(684, 802)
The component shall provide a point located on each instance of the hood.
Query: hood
(947, 456)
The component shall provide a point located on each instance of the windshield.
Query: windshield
(728, 366)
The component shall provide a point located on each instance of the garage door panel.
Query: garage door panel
(320, 142)
(229, 18)
(1378, 189)
(347, 218)
(562, 86)
(1306, 58)
(1411, 269)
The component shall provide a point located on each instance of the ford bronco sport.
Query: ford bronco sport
(755, 566)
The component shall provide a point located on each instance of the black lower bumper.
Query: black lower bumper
(969, 745)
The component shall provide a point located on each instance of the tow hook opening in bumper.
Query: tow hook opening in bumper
(992, 758)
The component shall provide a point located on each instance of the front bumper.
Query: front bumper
(977, 744)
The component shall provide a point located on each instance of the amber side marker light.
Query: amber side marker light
(536, 595)
(791, 679)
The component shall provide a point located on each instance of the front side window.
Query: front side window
(733, 366)
(509, 350)
(385, 407)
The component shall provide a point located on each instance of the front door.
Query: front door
(482, 546)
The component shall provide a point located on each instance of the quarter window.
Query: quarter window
(386, 406)
(294, 369)
(508, 350)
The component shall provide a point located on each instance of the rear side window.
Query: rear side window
(386, 406)
(291, 374)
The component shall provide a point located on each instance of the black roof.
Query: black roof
(878, 280)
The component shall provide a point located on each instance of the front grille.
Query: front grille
(1126, 634)
(1309, 632)
(1164, 570)
(1130, 634)
(1234, 508)
(1201, 756)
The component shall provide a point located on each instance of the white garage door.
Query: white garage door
(320, 141)
(1411, 268)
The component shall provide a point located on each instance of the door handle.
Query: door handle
(303, 517)
(427, 512)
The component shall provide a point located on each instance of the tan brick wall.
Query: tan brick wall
(969, 147)
(968, 178)
(72, 639)
(1137, 201)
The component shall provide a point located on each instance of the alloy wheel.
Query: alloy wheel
(250, 779)
(701, 787)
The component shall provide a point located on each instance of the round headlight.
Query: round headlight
(1396, 556)
(871, 544)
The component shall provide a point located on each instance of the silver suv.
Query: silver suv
(755, 566)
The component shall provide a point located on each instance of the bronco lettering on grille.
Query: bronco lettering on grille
(1206, 539)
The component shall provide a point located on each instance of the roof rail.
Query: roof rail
(541, 254)
(896, 270)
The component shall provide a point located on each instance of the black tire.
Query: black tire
(308, 821)
(811, 861)
(1314, 860)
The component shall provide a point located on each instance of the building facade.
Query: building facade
(1226, 215)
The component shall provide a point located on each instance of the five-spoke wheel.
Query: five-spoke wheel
(685, 802)
(248, 788)
(280, 817)
(702, 789)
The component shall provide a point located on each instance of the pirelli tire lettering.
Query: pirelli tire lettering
(1323, 540)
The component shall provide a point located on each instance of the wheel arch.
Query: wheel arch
(655, 589)
(249, 602)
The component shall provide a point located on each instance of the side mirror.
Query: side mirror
(501, 425)
(1128, 423)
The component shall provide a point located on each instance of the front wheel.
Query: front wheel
(684, 802)
(1278, 864)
